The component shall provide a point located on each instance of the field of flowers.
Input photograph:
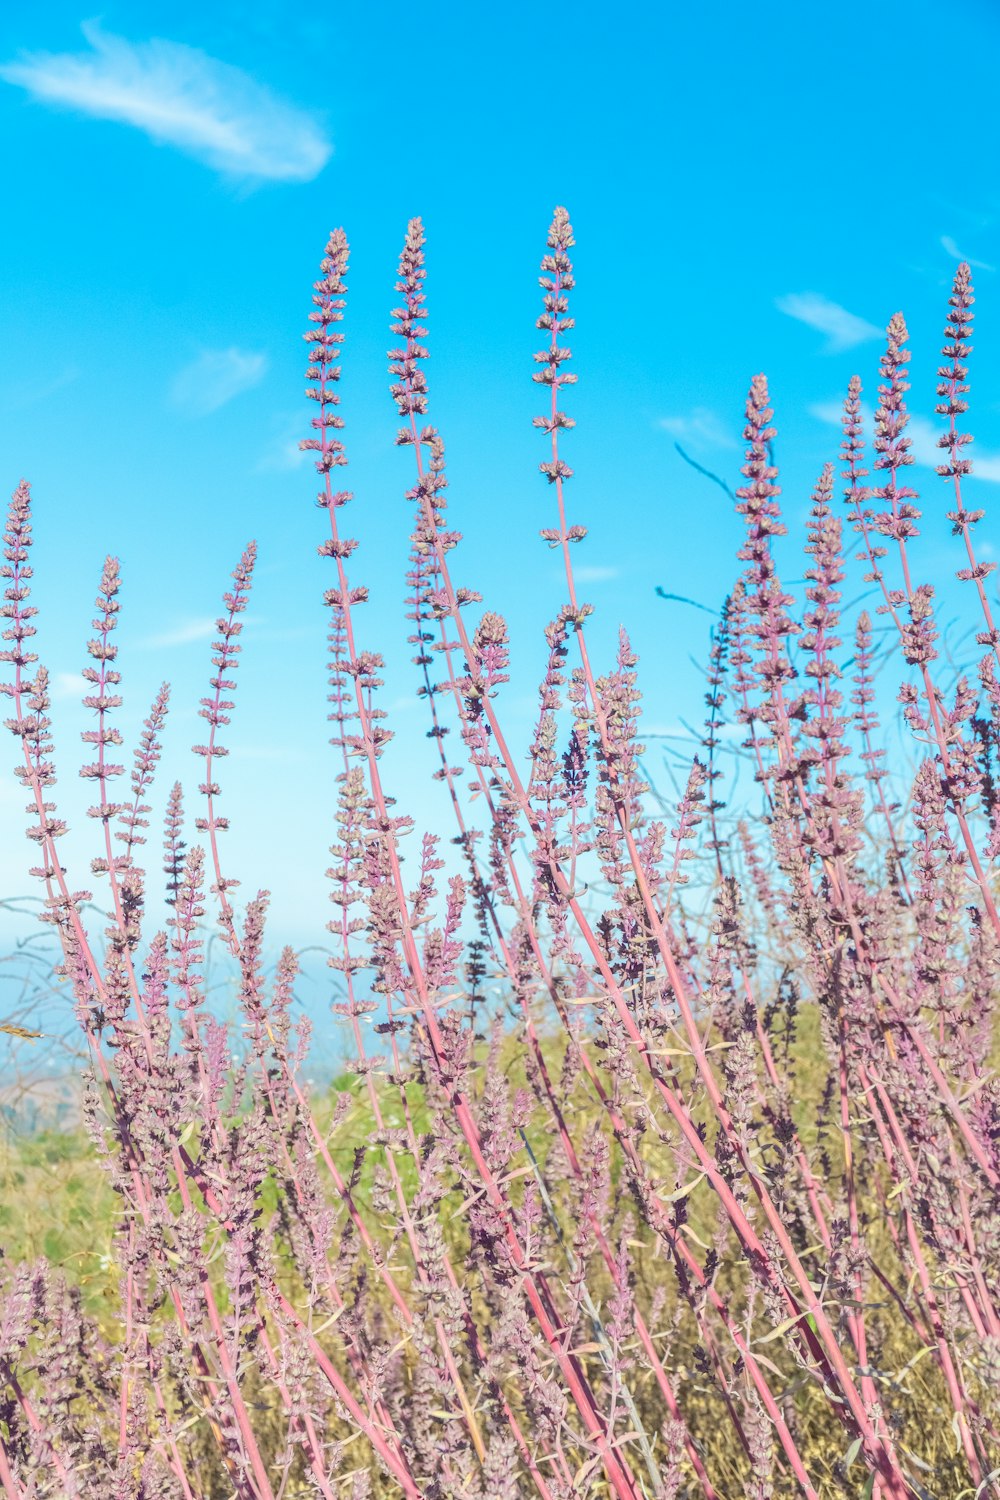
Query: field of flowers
(667, 1160)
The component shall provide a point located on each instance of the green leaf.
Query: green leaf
(782, 1328)
(681, 1192)
(852, 1452)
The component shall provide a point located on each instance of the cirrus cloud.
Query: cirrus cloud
(843, 329)
(215, 378)
(950, 247)
(184, 633)
(701, 427)
(283, 451)
(179, 96)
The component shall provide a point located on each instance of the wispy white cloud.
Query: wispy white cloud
(952, 249)
(923, 435)
(70, 685)
(22, 393)
(701, 427)
(283, 452)
(831, 412)
(843, 329)
(595, 573)
(182, 634)
(180, 96)
(216, 377)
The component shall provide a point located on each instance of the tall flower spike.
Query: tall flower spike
(34, 729)
(17, 570)
(758, 497)
(173, 842)
(409, 388)
(215, 711)
(104, 678)
(325, 340)
(899, 516)
(852, 450)
(836, 807)
(556, 280)
(953, 389)
(892, 446)
(409, 392)
(757, 503)
(824, 575)
(31, 723)
(715, 700)
(147, 757)
(953, 377)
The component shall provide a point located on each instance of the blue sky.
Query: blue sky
(748, 191)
